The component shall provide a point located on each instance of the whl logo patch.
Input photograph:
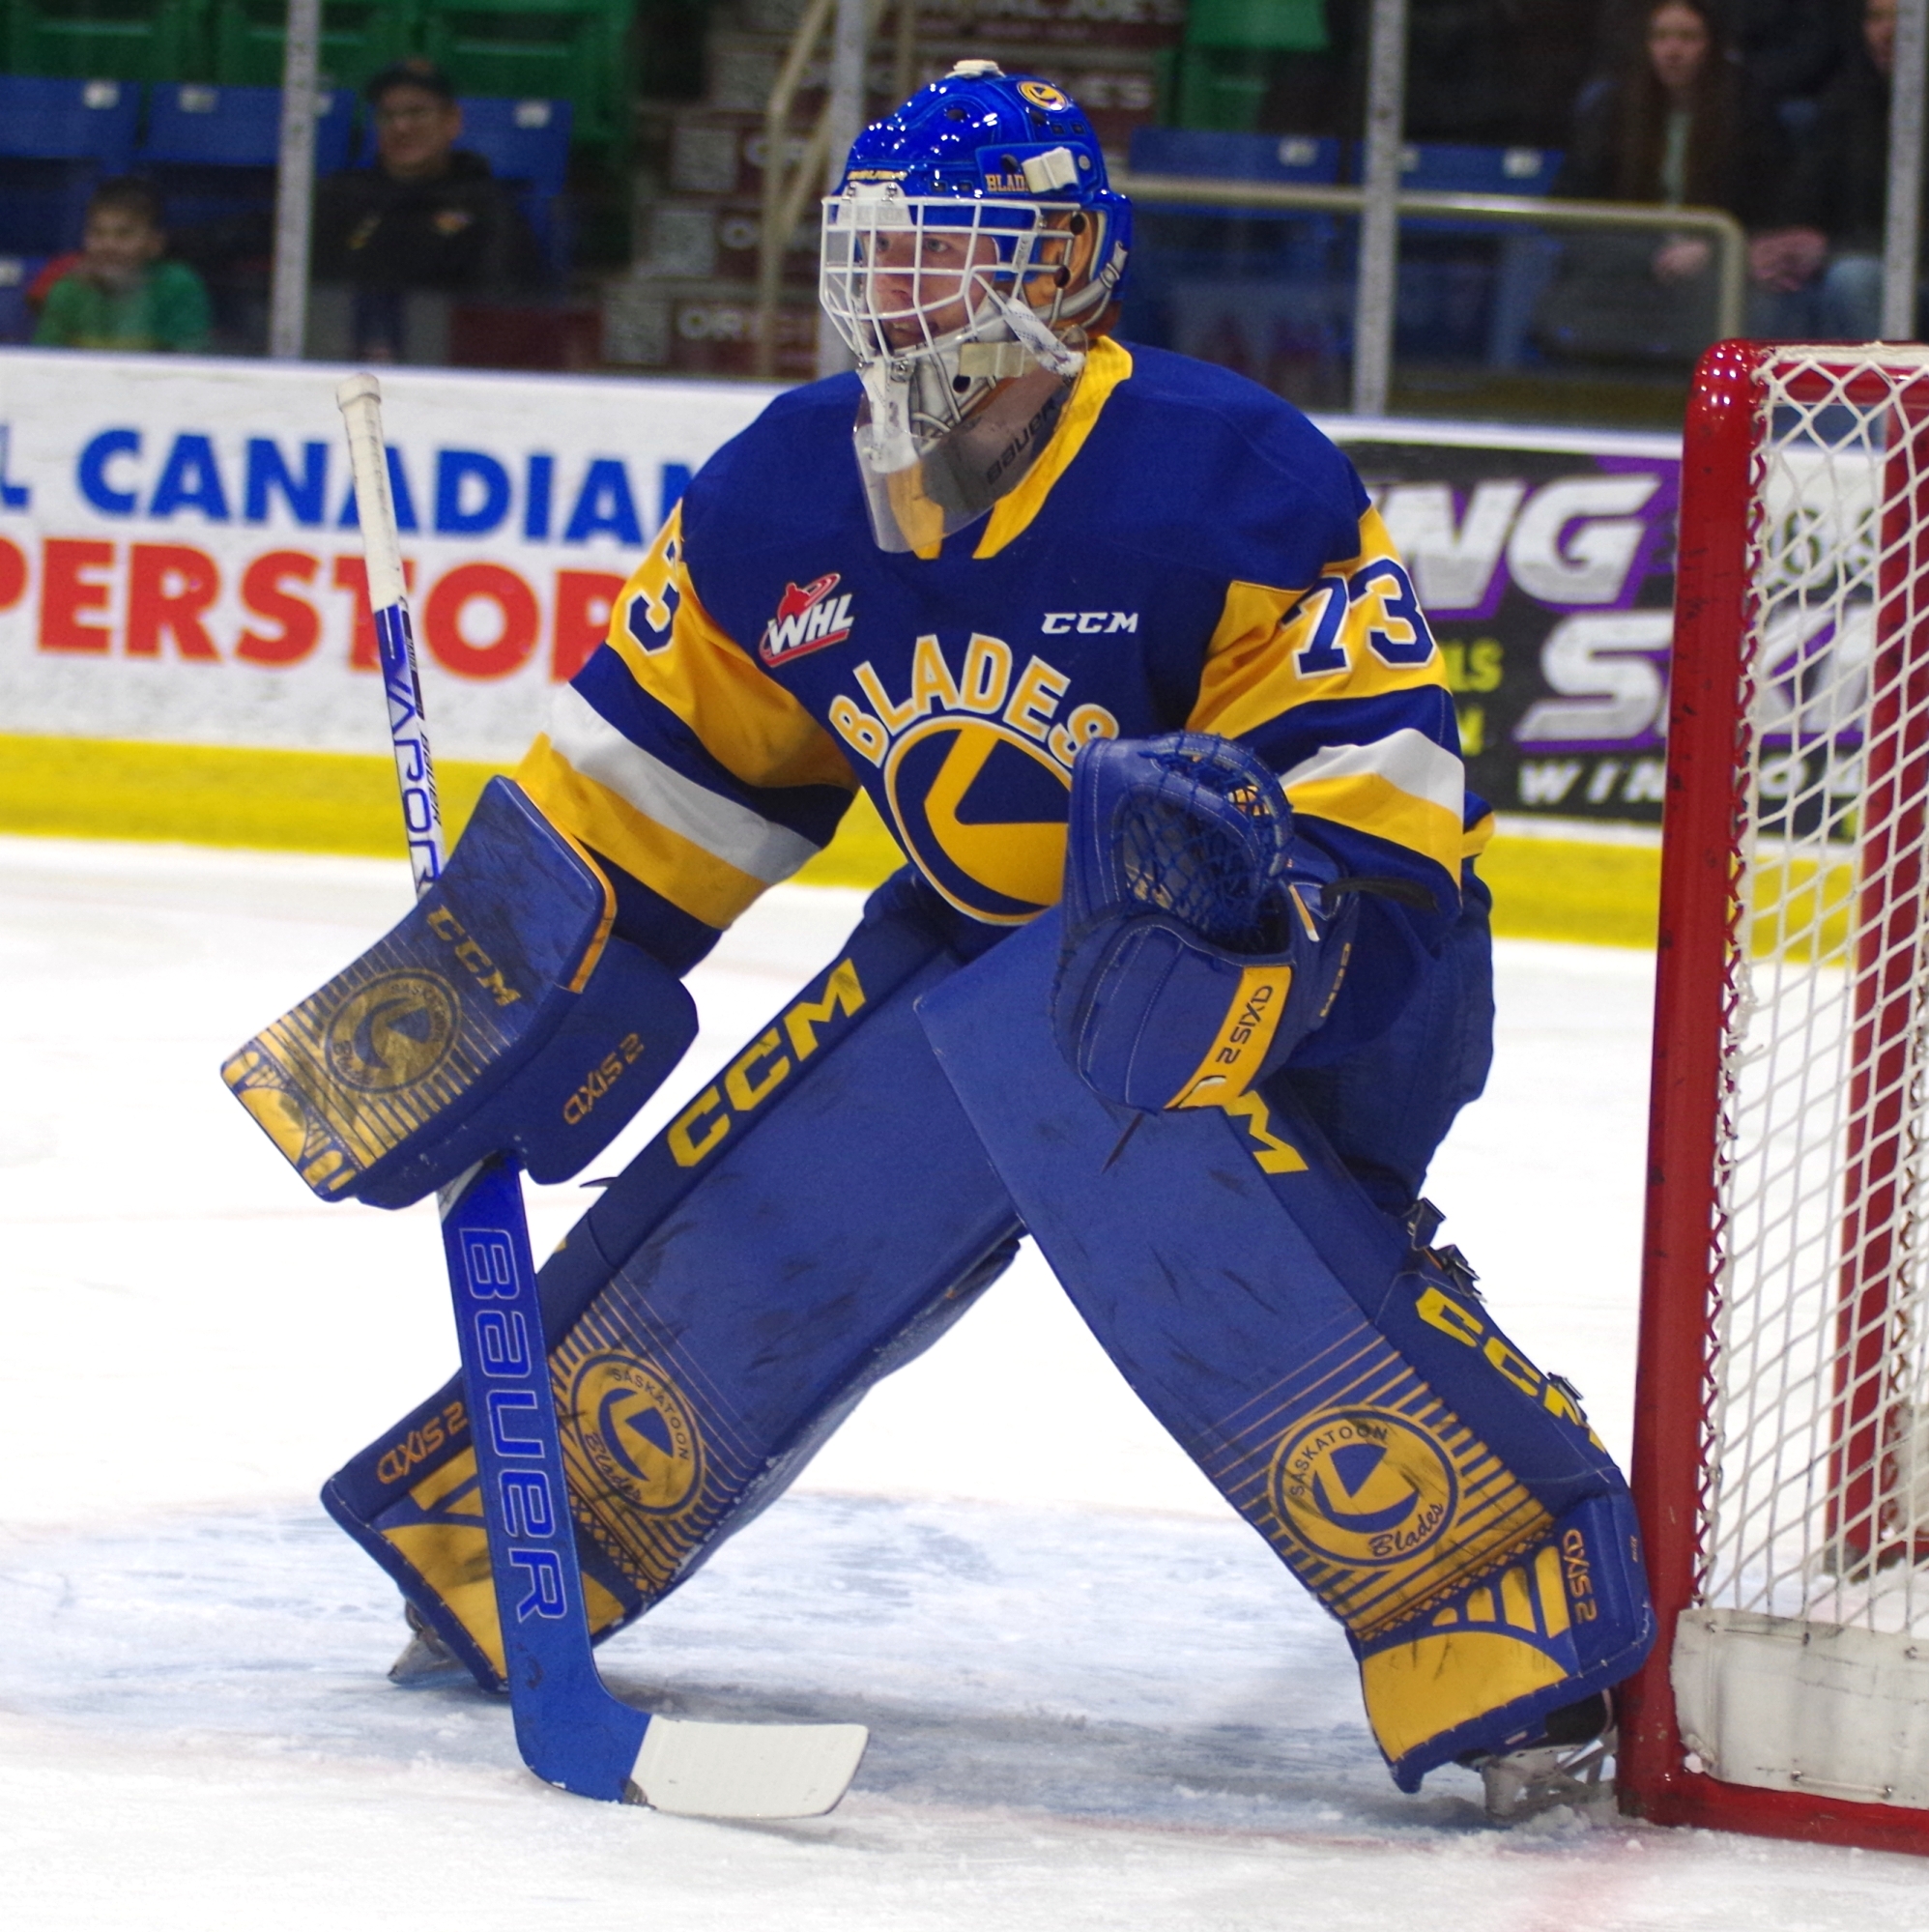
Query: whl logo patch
(808, 617)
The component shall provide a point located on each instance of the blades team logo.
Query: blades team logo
(396, 1030)
(807, 619)
(1363, 1486)
(975, 766)
(981, 810)
(638, 1431)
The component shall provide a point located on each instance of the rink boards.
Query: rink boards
(185, 652)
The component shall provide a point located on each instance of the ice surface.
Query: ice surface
(1096, 1699)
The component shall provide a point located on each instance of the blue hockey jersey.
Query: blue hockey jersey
(1188, 552)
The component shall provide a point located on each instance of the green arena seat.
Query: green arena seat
(576, 50)
(359, 38)
(108, 39)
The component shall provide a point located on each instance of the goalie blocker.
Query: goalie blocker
(501, 1015)
(824, 1210)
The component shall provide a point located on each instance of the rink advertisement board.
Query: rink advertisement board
(179, 562)
(1545, 565)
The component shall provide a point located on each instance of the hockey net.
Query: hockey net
(1782, 1454)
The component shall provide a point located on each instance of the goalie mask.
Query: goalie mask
(971, 245)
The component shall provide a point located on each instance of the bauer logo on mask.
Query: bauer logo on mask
(394, 1031)
(1362, 1485)
(637, 1430)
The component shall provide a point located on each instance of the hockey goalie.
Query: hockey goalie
(1186, 975)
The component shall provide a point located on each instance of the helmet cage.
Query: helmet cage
(912, 278)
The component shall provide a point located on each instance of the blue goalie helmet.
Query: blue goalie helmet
(972, 246)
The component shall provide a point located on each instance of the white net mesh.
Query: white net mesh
(1815, 1503)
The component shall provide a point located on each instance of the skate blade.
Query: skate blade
(1520, 1785)
(425, 1662)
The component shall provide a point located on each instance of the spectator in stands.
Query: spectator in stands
(427, 219)
(1679, 126)
(119, 293)
(1788, 49)
(1823, 263)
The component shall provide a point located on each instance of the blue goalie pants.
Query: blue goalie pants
(817, 1216)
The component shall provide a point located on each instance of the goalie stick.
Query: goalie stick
(570, 1729)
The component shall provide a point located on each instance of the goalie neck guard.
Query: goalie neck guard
(971, 246)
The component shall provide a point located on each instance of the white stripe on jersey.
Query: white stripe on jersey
(1406, 759)
(720, 826)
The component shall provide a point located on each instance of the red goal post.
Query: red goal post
(1781, 1457)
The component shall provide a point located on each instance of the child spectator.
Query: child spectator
(120, 294)
(1680, 125)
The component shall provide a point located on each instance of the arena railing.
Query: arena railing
(1520, 211)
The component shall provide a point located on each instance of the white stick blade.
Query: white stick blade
(746, 1771)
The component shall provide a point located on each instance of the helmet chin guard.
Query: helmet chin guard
(972, 244)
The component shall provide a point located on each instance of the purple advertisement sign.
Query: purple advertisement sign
(1548, 577)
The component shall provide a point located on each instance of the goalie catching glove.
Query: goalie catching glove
(500, 1017)
(1203, 940)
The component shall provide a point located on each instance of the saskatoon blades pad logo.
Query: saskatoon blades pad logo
(1364, 1485)
(638, 1431)
(394, 1031)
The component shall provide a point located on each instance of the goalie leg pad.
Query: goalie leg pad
(804, 1225)
(1482, 1672)
(1386, 1105)
(1350, 1398)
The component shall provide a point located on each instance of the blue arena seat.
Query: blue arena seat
(211, 153)
(57, 138)
(1470, 287)
(1262, 292)
(17, 276)
(69, 119)
(1200, 151)
(525, 141)
(197, 125)
(1452, 167)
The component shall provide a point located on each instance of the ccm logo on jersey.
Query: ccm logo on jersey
(807, 619)
(1088, 623)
